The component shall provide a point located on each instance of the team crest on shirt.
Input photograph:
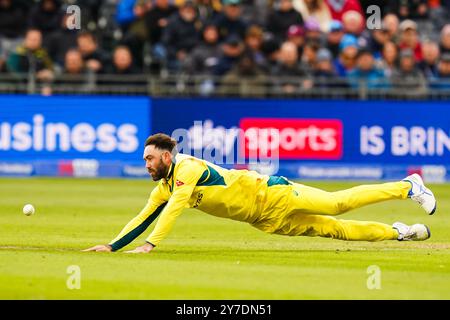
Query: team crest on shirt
(179, 183)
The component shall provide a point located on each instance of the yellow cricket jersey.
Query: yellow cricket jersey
(196, 183)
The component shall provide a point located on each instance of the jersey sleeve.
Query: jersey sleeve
(155, 205)
(188, 174)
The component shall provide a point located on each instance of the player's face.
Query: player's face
(157, 162)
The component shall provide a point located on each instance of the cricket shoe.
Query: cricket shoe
(421, 194)
(416, 232)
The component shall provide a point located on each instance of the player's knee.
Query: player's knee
(328, 227)
(334, 229)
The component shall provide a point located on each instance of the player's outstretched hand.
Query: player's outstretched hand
(142, 249)
(99, 248)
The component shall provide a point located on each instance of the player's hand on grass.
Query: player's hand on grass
(142, 249)
(100, 248)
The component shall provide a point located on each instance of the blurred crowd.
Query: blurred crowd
(295, 44)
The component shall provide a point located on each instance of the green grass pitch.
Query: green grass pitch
(204, 257)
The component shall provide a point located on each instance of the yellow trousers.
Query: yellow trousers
(299, 210)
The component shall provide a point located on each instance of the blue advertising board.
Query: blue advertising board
(103, 136)
(71, 135)
(349, 139)
(69, 127)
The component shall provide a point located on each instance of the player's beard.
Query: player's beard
(160, 172)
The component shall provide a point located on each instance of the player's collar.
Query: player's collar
(171, 169)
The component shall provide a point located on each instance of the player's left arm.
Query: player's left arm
(189, 173)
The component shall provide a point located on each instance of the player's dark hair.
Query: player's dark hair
(161, 141)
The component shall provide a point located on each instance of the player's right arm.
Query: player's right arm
(156, 203)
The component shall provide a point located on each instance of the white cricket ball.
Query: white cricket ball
(28, 209)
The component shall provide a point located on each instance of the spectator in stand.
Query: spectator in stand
(181, 35)
(347, 56)
(73, 63)
(296, 35)
(430, 52)
(32, 57)
(95, 59)
(442, 79)
(334, 37)
(312, 30)
(232, 50)
(204, 59)
(60, 41)
(208, 10)
(409, 9)
(157, 19)
(316, 9)
(205, 56)
(353, 23)
(409, 38)
(374, 40)
(282, 17)
(123, 62)
(391, 24)
(230, 21)
(289, 76)
(12, 19)
(253, 42)
(46, 16)
(271, 50)
(366, 72)
(445, 39)
(339, 7)
(131, 16)
(323, 72)
(244, 79)
(408, 80)
(91, 9)
(12, 23)
(73, 75)
(309, 56)
(389, 59)
(439, 12)
(255, 11)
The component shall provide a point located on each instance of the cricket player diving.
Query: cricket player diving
(272, 204)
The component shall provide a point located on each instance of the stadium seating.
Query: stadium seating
(246, 55)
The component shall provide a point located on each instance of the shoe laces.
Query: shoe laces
(409, 235)
(418, 198)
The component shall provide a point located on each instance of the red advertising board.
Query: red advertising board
(292, 138)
